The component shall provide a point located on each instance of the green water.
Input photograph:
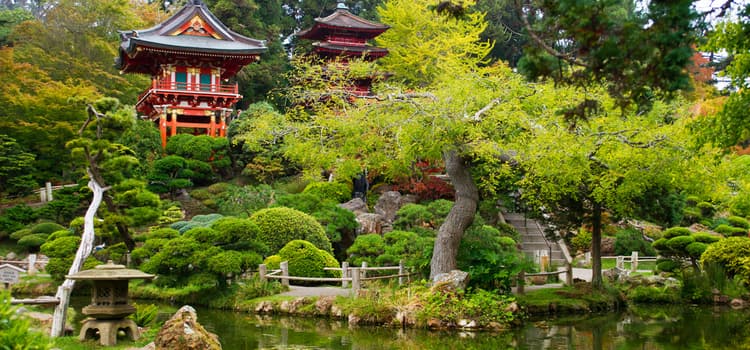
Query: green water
(649, 327)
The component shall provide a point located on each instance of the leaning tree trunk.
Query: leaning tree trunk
(84, 250)
(458, 219)
(596, 247)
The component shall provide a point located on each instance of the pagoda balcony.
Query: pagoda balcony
(169, 92)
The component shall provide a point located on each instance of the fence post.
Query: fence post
(634, 262)
(344, 274)
(262, 270)
(364, 269)
(569, 274)
(620, 262)
(355, 281)
(48, 186)
(42, 195)
(520, 282)
(401, 272)
(285, 273)
(31, 269)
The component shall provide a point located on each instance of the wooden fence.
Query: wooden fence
(45, 193)
(32, 264)
(355, 275)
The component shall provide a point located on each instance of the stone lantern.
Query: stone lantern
(109, 306)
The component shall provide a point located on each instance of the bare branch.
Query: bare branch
(551, 50)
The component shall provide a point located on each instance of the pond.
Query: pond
(645, 327)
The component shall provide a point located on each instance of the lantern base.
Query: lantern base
(108, 330)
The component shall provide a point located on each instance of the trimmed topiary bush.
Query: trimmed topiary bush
(46, 227)
(20, 234)
(273, 262)
(631, 240)
(727, 230)
(305, 259)
(705, 237)
(737, 221)
(679, 243)
(238, 234)
(33, 241)
(676, 231)
(279, 226)
(668, 265)
(335, 191)
(366, 248)
(732, 254)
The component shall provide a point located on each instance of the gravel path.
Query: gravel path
(297, 291)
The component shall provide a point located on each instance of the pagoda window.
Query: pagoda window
(180, 79)
(206, 82)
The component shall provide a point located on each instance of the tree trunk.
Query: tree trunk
(84, 250)
(458, 219)
(596, 246)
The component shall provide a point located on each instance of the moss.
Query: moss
(580, 298)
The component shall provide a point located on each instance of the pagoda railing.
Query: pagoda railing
(166, 84)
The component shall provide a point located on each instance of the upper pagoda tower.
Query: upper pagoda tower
(342, 35)
(191, 57)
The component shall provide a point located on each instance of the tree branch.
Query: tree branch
(538, 40)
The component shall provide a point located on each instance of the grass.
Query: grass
(642, 265)
(72, 342)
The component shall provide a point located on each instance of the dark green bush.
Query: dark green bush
(15, 218)
(707, 209)
(16, 331)
(159, 232)
(691, 215)
(200, 194)
(675, 231)
(335, 191)
(727, 230)
(59, 234)
(33, 241)
(411, 216)
(705, 237)
(668, 265)
(141, 216)
(238, 234)
(678, 244)
(631, 240)
(660, 244)
(20, 234)
(651, 294)
(491, 259)
(148, 249)
(203, 235)
(279, 226)
(696, 249)
(305, 259)
(737, 221)
(366, 248)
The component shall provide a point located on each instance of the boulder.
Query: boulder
(11, 256)
(451, 281)
(264, 307)
(370, 223)
(388, 204)
(183, 331)
(356, 205)
(608, 246)
(324, 303)
(738, 303)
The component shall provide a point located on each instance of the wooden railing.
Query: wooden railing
(355, 275)
(167, 84)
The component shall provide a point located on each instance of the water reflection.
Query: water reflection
(649, 327)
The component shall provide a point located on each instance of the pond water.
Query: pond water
(645, 327)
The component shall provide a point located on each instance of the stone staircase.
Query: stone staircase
(533, 241)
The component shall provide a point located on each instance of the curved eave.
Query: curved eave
(319, 32)
(136, 45)
(370, 51)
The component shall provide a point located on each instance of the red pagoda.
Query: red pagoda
(343, 36)
(191, 57)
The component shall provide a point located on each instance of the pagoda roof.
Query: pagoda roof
(372, 51)
(193, 30)
(342, 19)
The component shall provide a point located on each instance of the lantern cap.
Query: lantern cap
(109, 271)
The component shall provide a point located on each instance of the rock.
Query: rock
(608, 246)
(451, 281)
(370, 223)
(264, 307)
(11, 256)
(336, 311)
(293, 306)
(738, 303)
(356, 205)
(721, 299)
(183, 332)
(434, 323)
(323, 305)
(469, 324)
(512, 308)
(388, 204)
(409, 199)
(354, 320)
(496, 326)
(149, 346)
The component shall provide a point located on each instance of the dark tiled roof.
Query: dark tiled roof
(343, 19)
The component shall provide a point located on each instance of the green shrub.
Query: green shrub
(366, 248)
(491, 259)
(411, 216)
(15, 218)
(162, 232)
(581, 242)
(668, 265)
(740, 204)
(675, 231)
(219, 187)
(227, 262)
(705, 237)
(148, 249)
(660, 244)
(737, 221)
(273, 262)
(335, 191)
(305, 259)
(731, 254)
(631, 240)
(678, 244)
(20, 234)
(279, 226)
(32, 242)
(115, 252)
(696, 249)
(707, 209)
(142, 216)
(238, 234)
(651, 294)
(203, 235)
(59, 234)
(46, 227)
(16, 331)
(200, 194)
(727, 230)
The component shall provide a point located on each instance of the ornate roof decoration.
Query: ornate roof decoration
(342, 19)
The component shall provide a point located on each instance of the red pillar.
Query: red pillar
(163, 129)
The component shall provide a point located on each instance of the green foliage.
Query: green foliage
(696, 287)
(480, 305)
(737, 221)
(244, 200)
(278, 226)
(728, 230)
(273, 262)
(46, 227)
(16, 331)
(196, 221)
(145, 314)
(679, 243)
(158, 232)
(413, 216)
(334, 191)
(696, 249)
(305, 259)
(704, 237)
(731, 254)
(16, 218)
(631, 240)
(581, 242)
(668, 265)
(169, 174)
(33, 241)
(20, 234)
(675, 231)
(238, 234)
(366, 248)
(16, 165)
(654, 294)
(491, 260)
(253, 287)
